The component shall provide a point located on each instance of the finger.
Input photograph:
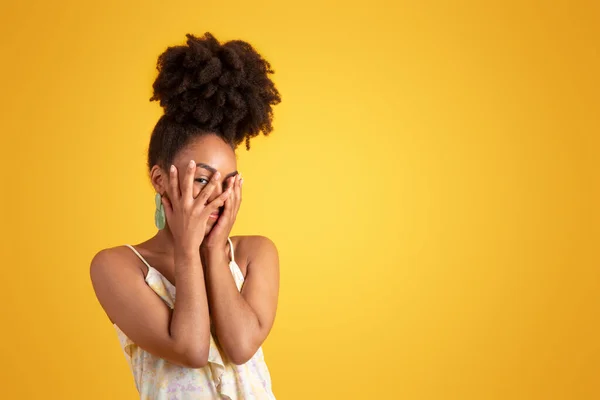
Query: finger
(227, 209)
(173, 186)
(219, 201)
(188, 181)
(232, 183)
(238, 193)
(233, 196)
(204, 195)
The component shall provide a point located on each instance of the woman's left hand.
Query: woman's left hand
(217, 238)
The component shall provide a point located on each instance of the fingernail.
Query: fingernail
(172, 168)
(192, 163)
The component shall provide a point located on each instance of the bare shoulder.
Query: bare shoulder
(254, 240)
(256, 253)
(113, 262)
(251, 246)
(114, 271)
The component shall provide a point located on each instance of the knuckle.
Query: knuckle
(187, 205)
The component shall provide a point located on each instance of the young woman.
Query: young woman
(206, 342)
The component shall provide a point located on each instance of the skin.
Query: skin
(193, 253)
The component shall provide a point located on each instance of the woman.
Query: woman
(207, 343)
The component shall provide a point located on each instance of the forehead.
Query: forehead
(210, 150)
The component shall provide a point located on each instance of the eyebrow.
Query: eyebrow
(213, 170)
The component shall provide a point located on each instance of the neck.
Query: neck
(163, 243)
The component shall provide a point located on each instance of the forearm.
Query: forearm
(236, 324)
(190, 323)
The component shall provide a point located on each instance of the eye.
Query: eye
(203, 181)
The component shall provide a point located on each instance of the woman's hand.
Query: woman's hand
(187, 216)
(217, 238)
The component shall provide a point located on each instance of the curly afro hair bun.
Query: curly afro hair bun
(207, 86)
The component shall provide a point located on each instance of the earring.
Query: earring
(159, 214)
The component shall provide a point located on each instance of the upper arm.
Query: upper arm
(261, 285)
(134, 307)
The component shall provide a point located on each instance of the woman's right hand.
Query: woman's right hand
(187, 216)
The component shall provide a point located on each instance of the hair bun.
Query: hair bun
(222, 88)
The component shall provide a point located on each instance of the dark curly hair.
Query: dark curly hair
(206, 87)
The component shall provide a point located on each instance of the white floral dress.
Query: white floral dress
(158, 379)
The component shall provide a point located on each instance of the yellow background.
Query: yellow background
(431, 184)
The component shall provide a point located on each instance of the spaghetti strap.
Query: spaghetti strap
(139, 256)
(231, 247)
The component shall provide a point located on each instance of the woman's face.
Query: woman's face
(211, 154)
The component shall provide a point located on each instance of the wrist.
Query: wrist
(186, 253)
(214, 255)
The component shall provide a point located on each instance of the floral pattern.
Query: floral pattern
(158, 379)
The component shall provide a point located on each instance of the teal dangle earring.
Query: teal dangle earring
(159, 214)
